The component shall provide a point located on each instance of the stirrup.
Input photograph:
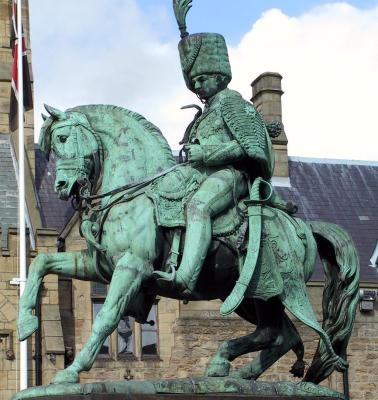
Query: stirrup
(166, 276)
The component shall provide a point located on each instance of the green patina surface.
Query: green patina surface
(119, 169)
(197, 386)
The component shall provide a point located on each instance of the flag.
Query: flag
(28, 96)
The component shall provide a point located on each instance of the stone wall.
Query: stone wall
(6, 61)
(52, 341)
(189, 335)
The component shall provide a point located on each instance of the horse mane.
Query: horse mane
(89, 109)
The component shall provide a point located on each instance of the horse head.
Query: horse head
(71, 138)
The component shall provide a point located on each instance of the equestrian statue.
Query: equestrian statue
(208, 227)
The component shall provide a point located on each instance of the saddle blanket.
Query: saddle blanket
(171, 193)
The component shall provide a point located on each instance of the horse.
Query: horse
(107, 158)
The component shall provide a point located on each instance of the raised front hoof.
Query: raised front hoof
(26, 326)
(218, 368)
(66, 376)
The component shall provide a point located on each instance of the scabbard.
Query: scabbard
(254, 240)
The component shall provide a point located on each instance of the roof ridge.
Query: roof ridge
(314, 160)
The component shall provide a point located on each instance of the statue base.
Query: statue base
(182, 389)
(108, 396)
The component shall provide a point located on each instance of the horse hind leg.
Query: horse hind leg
(268, 334)
(267, 357)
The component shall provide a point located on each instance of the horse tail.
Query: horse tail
(340, 296)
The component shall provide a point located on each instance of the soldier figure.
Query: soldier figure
(228, 144)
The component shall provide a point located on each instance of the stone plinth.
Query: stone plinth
(117, 396)
(182, 389)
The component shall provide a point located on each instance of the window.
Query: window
(121, 343)
(149, 334)
(125, 336)
(96, 307)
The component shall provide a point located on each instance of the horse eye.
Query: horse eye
(62, 139)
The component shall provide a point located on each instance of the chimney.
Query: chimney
(266, 97)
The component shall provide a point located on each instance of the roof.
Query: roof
(336, 191)
(8, 186)
(55, 213)
(342, 193)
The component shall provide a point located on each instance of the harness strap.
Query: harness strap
(175, 249)
(138, 184)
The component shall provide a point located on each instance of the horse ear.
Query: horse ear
(44, 117)
(45, 136)
(55, 113)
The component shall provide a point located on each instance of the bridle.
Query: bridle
(87, 186)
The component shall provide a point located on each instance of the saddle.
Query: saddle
(171, 193)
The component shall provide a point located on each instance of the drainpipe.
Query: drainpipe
(346, 382)
(21, 195)
(38, 342)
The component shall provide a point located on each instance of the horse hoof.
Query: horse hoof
(218, 368)
(297, 370)
(241, 374)
(26, 326)
(66, 376)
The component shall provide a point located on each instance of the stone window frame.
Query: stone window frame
(113, 337)
(137, 334)
(154, 328)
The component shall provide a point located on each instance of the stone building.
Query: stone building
(184, 336)
(39, 238)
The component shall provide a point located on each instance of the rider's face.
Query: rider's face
(206, 86)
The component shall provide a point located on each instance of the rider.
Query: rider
(228, 144)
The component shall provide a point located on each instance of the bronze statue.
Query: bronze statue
(242, 245)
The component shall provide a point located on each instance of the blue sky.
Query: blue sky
(124, 52)
(236, 17)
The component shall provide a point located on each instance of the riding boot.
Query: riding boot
(197, 242)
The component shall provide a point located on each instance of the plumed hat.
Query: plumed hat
(200, 53)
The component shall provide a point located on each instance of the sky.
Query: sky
(124, 52)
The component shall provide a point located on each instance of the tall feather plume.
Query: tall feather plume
(181, 8)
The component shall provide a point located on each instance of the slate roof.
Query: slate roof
(8, 186)
(335, 191)
(55, 212)
(343, 193)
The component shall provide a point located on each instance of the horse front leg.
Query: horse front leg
(75, 265)
(127, 278)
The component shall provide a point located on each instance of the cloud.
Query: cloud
(329, 60)
(112, 52)
(107, 53)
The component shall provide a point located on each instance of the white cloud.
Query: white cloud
(328, 57)
(116, 58)
(329, 60)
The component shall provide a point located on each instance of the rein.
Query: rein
(134, 185)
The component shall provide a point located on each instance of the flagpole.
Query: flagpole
(21, 194)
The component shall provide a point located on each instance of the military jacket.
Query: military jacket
(231, 131)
